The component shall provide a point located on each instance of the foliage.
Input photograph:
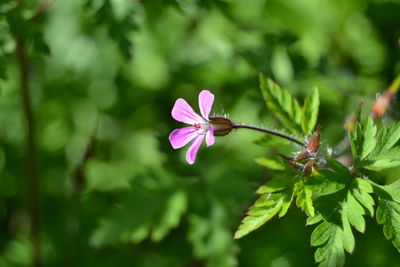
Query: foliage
(103, 76)
(282, 104)
(287, 108)
(275, 198)
(388, 211)
(377, 149)
(156, 211)
(342, 197)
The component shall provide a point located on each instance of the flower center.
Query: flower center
(200, 128)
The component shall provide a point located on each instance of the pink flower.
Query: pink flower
(200, 125)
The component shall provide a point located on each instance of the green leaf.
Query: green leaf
(392, 154)
(329, 181)
(170, 218)
(375, 149)
(333, 236)
(368, 138)
(304, 198)
(338, 211)
(330, 237)
(286, 204)
(270, 164)
(324, 181)
(139, 215)
(343, 172)
(321, 234)
(211, 238)
(266, 207)
(382, 164)
(310, 111)
(363, 139)
(387, 138)
(315, 219)
(358, 111)
(388, 214)
(282, 104)
(277, 183)
(276, 197)
(355, 212)
(362, 192)
(388, 211)
(354, 145)
(347, 236)
(281, 64)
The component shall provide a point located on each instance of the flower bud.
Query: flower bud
(313, 143)
(292, 162)
(381, 104)
(303, 155)
(221, 126)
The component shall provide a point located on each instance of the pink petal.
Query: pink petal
(183, 112)
(194, 147)
(210, 137)
(180, 137)
(206, 100)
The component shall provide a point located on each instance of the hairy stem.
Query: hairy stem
(267, 131)
(31, 151)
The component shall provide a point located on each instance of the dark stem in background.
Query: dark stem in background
(42, 8)
(78, 181)
(31, 152)
(267, 131)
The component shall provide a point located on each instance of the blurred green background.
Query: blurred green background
(103, 77)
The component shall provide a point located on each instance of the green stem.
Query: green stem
(395, 85)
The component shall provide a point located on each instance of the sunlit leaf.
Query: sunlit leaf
(264, 209)
(337, 212)
(388, 212)
(304, 198)
(282, 104)
(270, 164)
(277, 183)
(310, 111)
(374, 148)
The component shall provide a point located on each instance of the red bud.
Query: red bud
(313, 143)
